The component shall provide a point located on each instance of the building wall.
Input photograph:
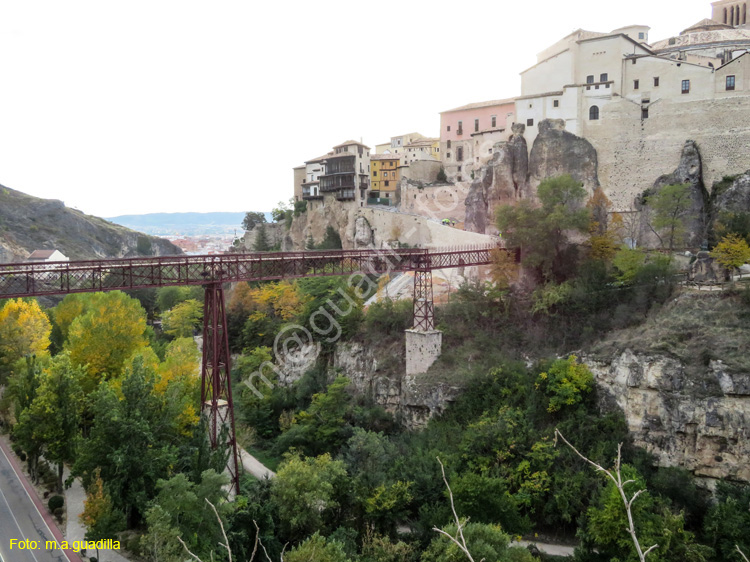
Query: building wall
(549, 75)
(634, 152)
(382, 171)
(504, 117)
(299, 179)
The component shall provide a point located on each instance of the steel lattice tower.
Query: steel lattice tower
(424, 308)
(216, 384)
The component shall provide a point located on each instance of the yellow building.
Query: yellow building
(384, 176)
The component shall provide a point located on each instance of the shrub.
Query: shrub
(56, 502)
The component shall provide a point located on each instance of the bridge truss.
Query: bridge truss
(212, 272)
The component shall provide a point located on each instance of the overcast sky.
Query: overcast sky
(166, 106)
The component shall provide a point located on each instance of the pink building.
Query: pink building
(468, 133)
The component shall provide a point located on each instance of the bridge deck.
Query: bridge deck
(54, 278)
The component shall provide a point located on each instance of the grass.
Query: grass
(269, 460)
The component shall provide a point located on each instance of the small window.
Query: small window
(460, 127)
(374, 174)
(448, 145)
(636, 83)
(556, 103)
(494, 121)
(593, 113)
(529, 122)
(641, 35)
(730, 83)
(448, 155)
(590, 79)
(686, 86)
(634, 60)
(603, 77)
(459, 168)
(476, 125)
(449, 128)
(656, 81)
(458, 177)
(644, 113)
(672, 40)
(387, 183)
(460, 154)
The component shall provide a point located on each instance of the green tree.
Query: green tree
(540, 232)
(319, 549)
(485, 542)
(280, 211)
(331, 240)
(183, 319)
(732, 252)
(180, 510)
(261, 243)
(565, 383)
(55, 414)
(106, 335)
(728, 520)
(253, 219)
(671, 207)
(305, 492)
(169, 297)
(441, 177)
(133, 439)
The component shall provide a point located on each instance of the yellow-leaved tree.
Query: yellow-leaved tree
(106, 335)
(24, 331)
(179, 380)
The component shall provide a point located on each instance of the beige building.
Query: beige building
(346, 175)
(299, 180)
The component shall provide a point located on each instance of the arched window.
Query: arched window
(593, 113)
(725, 15)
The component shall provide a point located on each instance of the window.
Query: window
(387, 183)
(459, 168)
(644, 113)
(593, 113)
(603, 77)
(641, 35)
(459, 154)
(460, 127)
(636, 83)
(385, 174)
(730, 82)
(375, 174)
(634, 60)
(590, 79)
(686, 86)
(476, 125)
(458, 177)
(529, 122)
(449, 128)
(656, 81)
(556, 103)
(494, 121)
(448, 145)
(448, 155)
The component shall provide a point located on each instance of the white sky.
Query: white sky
(179, 105)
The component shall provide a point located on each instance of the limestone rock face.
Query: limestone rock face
(504, 179)
(698, 423)
(736, 199)
(690, 171)
(557, 152)
(364, 237)
(705, 269)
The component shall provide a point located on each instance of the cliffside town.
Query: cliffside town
(614, 110)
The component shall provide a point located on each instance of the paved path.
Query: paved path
(23, 516)
(552, 549)
(254, 466)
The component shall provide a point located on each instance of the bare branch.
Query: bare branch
(188, 550)
(741, 553)
(221, 524)
(616, 477)
(459, 525)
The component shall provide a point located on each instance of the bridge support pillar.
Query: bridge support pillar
(216, 385)
(424, 343)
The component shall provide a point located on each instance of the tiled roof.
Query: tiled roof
(41, 254)
(350, 142)
(706, 25)
(385, 156)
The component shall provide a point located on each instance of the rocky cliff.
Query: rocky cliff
(683, 382)
(514, 174)
(28, 223)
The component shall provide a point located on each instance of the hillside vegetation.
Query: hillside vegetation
(29, 223)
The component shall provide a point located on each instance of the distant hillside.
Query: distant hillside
(184, 223)
(28, 223)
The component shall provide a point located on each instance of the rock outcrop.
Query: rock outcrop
(503, 179)
(29, 223)
(706, 269)
(690, 171)
(557, 152)
(513, 174)
(701, 424)
(736, 198)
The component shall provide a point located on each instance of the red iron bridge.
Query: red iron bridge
(212, 272)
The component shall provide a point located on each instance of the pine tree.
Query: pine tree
(261, 239)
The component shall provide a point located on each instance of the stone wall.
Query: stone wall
(634, 152)
(445, 201)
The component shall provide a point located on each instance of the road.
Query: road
(20, 519)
